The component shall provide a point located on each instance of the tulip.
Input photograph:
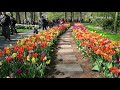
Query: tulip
(19, 71)
(33, 60)
(48, 62)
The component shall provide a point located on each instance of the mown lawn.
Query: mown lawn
(22, 30)
(114, 37)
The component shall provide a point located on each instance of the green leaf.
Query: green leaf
(96, 68)
(103, 68)
(109, 65)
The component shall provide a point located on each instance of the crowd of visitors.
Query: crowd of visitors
(7, 22)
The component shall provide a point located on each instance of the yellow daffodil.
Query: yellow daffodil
(33, 60)
(48, 62)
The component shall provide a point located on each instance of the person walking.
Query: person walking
(13, 28)
(6, 22)
(43, 23)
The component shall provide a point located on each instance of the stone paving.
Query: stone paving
(66, 62)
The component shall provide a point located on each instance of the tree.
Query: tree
(31, 15)
(115, 22)
(65, 15)
(34, 15)
(71, 16)
(18, 17)
(40, 14)
(55, 15)
(26, 15)
(80, 16)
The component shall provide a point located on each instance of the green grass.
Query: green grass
(22, 30)
(114, 37)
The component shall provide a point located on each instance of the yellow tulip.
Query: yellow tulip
(48, 62)
(33, 60)
(14, 55)
(28, 58)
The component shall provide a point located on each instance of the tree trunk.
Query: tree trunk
(40, 13)
(72, 16)
(31, 14)
(34, 15)
(65, 15)
(115, 22)
(80, 16)
(26, 15)
(18, 17)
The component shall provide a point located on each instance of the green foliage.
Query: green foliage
(23, 27)
(115, 37)
(22, 30)
(106, 20)
(54, 15)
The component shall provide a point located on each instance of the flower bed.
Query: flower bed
(105, 53)
(29, 57)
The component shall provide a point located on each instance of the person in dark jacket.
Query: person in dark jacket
(13, 28)
(6, 22)
(43, 23)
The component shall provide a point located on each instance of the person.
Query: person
(13, 28)
(43, 23)
(47, 23)
(1, 16)
(6, 22)
(33, 22)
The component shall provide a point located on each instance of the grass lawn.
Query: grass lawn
(114, 37)
(22, 30)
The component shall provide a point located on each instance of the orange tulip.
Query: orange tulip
(98, 51)
(35, 55)
(19, 56)
(42, 58)
(114, 70)
(88, 51)
(112, 52)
